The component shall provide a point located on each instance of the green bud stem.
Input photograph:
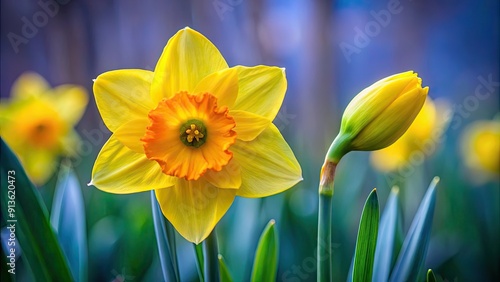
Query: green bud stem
(339, 147)
(324, 244)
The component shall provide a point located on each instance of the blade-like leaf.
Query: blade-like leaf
(68, 220)
(398, 240)
(211, 260)
(411, 258)
(367, 239)
(200, 265)
(430, 276)
(390, 226)
(225, 275)
(165, 238)
(351, 269)
(30, 219)
(265, 265)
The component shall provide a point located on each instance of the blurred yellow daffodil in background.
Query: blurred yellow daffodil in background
(480, 150)
(196, 131)
(422, 137)
(37, 123)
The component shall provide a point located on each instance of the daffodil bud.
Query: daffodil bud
(379, 115)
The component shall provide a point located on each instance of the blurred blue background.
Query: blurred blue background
(331, 50)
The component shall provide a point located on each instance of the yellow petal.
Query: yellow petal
(222, 84)
(120, 170)
(390, 158)
(228, 178)
(248, 125)
(38, 164)
(186, 60)
(130, 134)
(28, 85)
(194, 207)
(480, 148)
(36, 123)
(268, 165)
(70, 102)
(70, 142)
(393, 78)
(123, 95)
(261, 90)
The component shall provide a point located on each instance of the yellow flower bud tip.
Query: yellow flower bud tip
(380, 114)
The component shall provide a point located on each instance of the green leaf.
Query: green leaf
(32, 227)
(200, 265)
(68, 220)
(351, 269)
(430, 276)
(265, 265)
(411, 258)
(211, 254)
(165, 238)
(389, 235)
(398, 241)
(367, 239)
(225, 276)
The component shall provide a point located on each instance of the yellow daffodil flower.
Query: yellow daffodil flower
(480, 148)
(379, 115)
(37, 123)
(196, 131)
(419, 141)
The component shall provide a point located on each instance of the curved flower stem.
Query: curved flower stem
(324, 250)
(211, 252)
